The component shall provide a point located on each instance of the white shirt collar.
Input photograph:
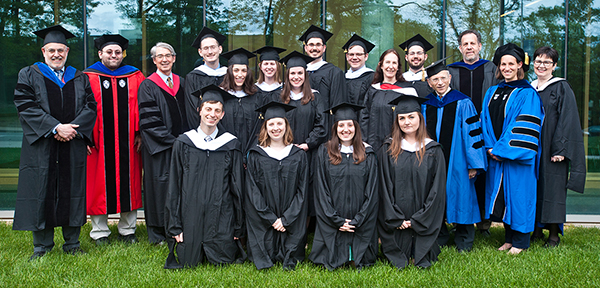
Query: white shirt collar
(279, 155)
(346, 149)
(355, 74)
(315, 66)
(447, 90)
(268, 87)
(553, 80)
(238, 94)
(295, 96)
(212, 72)
(197, 138)
(203, 135)
(412, 147)
(164, 77)
(411, 76)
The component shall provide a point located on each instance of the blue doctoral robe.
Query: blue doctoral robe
(453, 122)
(514, 179)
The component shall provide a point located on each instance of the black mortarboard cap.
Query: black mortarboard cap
(109, 39)
(406, 103)
(416, 40)
(357, 40)
(238, 56)
(54, 34)
(212, 92)
(296, 59)
(344, 111)
(274, 109)
(513, 50)
(269, 53)
(436, 67)
(208, 33)
(314, 31)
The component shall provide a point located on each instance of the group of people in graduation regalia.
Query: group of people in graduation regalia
(236, 169)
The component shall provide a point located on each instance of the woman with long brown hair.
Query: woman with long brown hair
(276, 186)
(241, 118)
(270, 71)
(376, 118)
(345, 196)
(412, 188)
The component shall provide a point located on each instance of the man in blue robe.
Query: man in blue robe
(452, 120)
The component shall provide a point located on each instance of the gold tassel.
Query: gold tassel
(345, 51)
(526, 59)
(423, 69)
(124, 53)
(330, 111)
(393, 108)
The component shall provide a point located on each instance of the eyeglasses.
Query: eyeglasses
(165, 56)
(59, 50)
(352, 55)
(539, 62)
(436, 80)
(420, 53)
(313, 45)
(211, 47)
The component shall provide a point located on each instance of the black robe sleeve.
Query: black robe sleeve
(323, 200)
(253, 194)
(318, 133)
(236, 183)
(173, 218)
(156, 135)
(427, 220)
(298, 205)
(371, 193)
(390, 215)
(568, 139)
(364, 113)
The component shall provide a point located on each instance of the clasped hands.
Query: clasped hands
(65, 132)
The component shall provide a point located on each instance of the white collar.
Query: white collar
(552, 80)
(315, 66)
(346, 149)
(197, 137)
(238, 94)
(412, 147)
(412, 76)
(268, 87)
(203, 135)
(442, 96)
(295, 96)
(279, 155)
(355, 74)
(164, 77)
(406, 90)
(212, 72)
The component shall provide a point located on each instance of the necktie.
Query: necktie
(169, 82)
(208, 138)
(59, 75)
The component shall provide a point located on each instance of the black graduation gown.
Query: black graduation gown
(345, 191)
(162, 120)
(330, 81)
(194, 81)
(268, 96)
(422, 88)
(409, 191)
(51, 188)
(276, 189)
(377, 117)
(473, 80)
(561, 135)
(358, 87)
(241, 119)
(307, 123)
(204, 202)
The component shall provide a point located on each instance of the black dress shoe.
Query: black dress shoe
(551, 243)
(102, 241)
(37, 255)
(485, 233)
(76, 251)
(535, 237)
(128, 239)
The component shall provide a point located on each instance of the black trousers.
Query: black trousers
(43, 240)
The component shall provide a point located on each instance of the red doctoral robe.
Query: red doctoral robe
(114, 169)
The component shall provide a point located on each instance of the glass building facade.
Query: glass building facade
(570, 26)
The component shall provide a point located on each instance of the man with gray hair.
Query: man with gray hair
(162, 119)
(473, 76)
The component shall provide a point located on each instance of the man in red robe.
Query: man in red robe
(114, 166)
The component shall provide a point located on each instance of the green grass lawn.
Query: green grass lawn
(576, 263)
